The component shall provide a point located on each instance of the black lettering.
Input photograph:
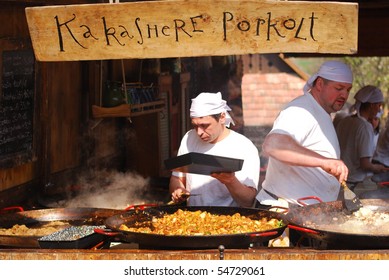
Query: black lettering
(289, 24)
(299, 29)
(312, 25)
(194, 23)
(244, 25)
(181, 27)
(88, 33)
(110, 32)
(59, 25)
(125, 33)
(150, 28)
(163, 30)
(225, 19)
(259, 21)
(272, 26)
(139, 30)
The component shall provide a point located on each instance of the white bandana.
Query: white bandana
(370, 94)
(331, 70)
(206, 104)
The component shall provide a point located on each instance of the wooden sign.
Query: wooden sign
(160, 29)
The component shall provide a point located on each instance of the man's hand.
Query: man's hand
(179, 195)
(225, 178)
(336, 168)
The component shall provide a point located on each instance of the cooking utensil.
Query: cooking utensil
(187, 195)
(321, 221)
(157, 241)
(351, 202)
(184, 196)
(37, 218)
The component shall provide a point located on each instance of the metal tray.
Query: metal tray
(203, 164)
(74, 237)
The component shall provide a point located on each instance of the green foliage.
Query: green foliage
(370, 71)
(367, 71)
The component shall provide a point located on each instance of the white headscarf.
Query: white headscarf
(331, 70)
(207, 103)
(370, 94)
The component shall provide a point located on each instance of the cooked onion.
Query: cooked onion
(23, 230)
(363, 221)
(199, 223)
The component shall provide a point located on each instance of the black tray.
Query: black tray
(74, 237)
(203, 164)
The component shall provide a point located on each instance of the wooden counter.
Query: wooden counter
(229, 254)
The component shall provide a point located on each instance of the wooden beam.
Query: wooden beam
(160, 29)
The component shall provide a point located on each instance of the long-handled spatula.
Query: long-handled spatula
(350, 200)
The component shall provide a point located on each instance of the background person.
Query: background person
(356, 136)
(302, 146)
(381, 154)
(376, 123)
(211, 135)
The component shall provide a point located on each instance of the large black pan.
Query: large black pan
(156, 241)
(36, 218)
(326, 229)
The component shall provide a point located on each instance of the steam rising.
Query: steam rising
(110, 189)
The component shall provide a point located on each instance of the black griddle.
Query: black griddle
(204, 164)
(74, 237)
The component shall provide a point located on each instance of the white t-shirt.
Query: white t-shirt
(311, 126)
(382, 151)
(212, 191)
(356, 139)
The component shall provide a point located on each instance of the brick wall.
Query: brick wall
(264, 95)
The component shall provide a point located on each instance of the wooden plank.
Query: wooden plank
(275, 254)
(160, 29)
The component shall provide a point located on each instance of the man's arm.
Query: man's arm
(177, 187)
(242, 194)
(285, 149)
(367, 165)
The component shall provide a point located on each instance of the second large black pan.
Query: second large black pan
(322, 221)
(37, 218)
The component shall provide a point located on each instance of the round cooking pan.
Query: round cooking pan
(321, 221)
(156, 241)
(37, 218)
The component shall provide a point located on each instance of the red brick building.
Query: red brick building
(268, 83)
